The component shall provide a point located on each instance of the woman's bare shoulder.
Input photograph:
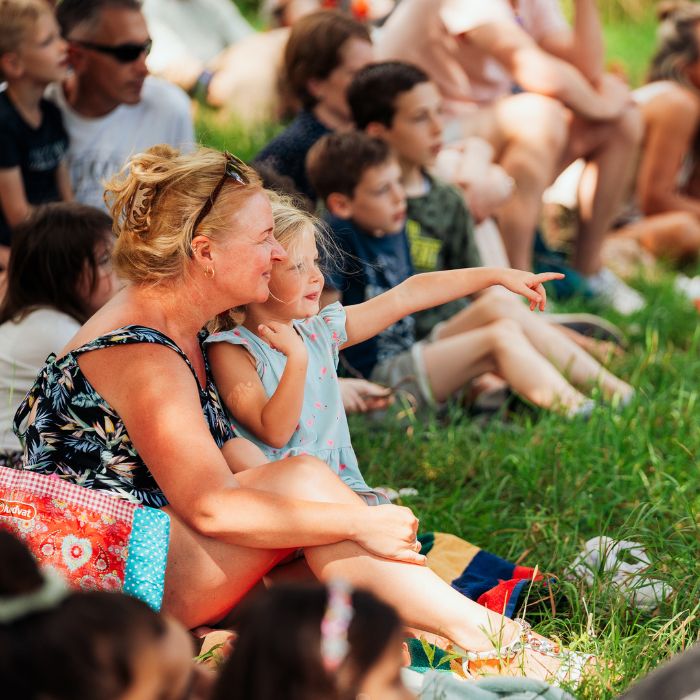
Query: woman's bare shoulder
(120, 311)
(668, 102)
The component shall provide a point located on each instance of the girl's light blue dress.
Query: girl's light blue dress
(323, 428)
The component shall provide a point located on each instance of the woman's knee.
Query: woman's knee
(538, 122)
(319, 479)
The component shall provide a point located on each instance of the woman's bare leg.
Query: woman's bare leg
(502, 347)
(423, 600)
(241, 454)
(579, 367)
(206, 578)
(673, 235)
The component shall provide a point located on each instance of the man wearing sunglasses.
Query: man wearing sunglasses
(111, 107)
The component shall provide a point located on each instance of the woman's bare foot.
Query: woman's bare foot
(538, 658)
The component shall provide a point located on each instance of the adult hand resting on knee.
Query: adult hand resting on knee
(390, 532)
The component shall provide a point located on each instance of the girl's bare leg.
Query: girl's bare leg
(206, 578)
(502, 347)
(569, 358)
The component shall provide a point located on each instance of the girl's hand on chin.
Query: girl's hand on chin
(390, 532)
(283, 338)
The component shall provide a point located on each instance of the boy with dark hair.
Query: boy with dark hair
(398, 103)
(440, 227)
(33, 141)
(360, 182)
(324, 52)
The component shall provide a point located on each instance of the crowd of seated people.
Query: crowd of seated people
(223, 330)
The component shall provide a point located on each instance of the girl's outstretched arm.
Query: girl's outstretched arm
(434, 288)
(272, 419)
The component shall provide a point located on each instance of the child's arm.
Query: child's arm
(272, 420)
(13, 198)
(430, 289)
(65, 190)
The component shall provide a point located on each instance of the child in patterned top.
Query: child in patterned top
(276, 374)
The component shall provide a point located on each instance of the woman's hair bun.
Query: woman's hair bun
(163, 150)
(156, 200)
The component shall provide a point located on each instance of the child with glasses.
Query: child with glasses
(33, 140)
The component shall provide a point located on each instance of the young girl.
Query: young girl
(277, 375)
(59, 274)
(315, 643)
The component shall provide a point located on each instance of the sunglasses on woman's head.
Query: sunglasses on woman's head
(235, 170)
(124, 53)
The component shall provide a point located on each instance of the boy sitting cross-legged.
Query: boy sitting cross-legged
(359, 180)
(397, 103)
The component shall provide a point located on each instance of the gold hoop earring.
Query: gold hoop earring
(209, 272)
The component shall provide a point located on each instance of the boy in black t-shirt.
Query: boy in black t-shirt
(32, 138)
(359, 181)
(399, 104)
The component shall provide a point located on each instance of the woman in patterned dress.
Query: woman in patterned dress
(129, 407)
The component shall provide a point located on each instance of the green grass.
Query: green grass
(243, 140)
(538, 486)
(630, 45)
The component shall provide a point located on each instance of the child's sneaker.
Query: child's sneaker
(610, 289)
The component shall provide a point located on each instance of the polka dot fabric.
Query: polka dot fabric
(148, 553)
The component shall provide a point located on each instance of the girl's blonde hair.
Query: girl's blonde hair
(291, 224)
(17, 19)
(677, 45)
(155, 201)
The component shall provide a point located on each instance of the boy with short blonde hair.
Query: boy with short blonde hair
(32, 138)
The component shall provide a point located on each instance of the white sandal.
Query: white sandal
(570, 670)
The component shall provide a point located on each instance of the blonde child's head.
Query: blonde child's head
(19, 21)
(293, 227)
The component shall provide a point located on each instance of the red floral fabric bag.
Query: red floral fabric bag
(96, 541)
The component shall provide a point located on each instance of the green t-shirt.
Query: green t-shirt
(440, 232)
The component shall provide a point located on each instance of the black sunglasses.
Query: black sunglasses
(235, 170)
(124, 53)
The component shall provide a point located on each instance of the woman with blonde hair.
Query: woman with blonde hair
(138, 415)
